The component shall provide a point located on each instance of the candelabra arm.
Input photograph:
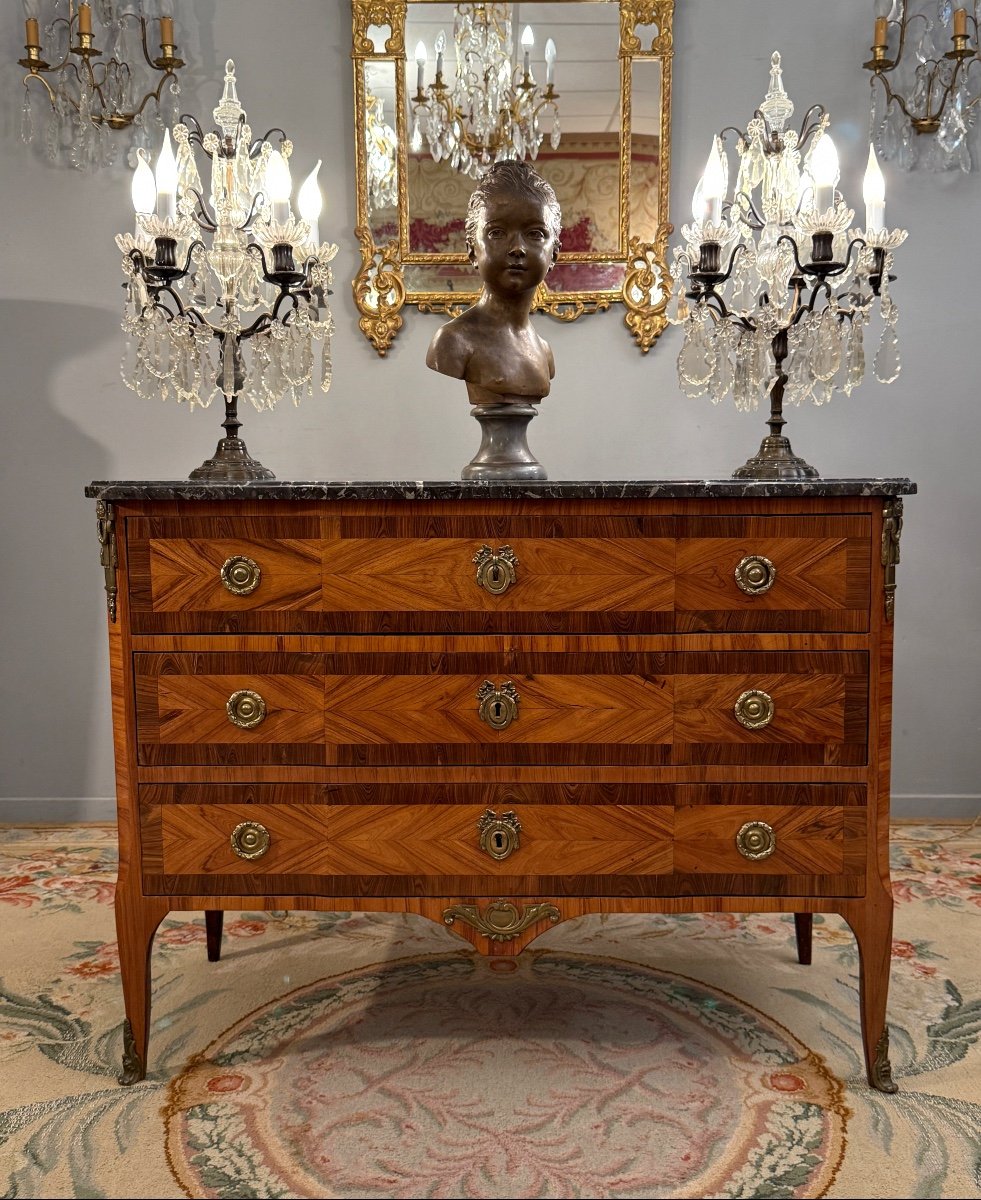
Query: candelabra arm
(758, 222)
(254, 250)
(194, 131)
(257, 199)
(785, 237)
(201, 214)
(257, 142)
(809, 126)
(35, 74)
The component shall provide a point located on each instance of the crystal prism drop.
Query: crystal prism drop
(886, 364)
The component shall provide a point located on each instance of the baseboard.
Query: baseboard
(65, 810)
(957, 807)
(56, 810)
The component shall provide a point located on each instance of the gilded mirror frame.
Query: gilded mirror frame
(381, 292)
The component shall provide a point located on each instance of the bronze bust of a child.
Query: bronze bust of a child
(512, 229)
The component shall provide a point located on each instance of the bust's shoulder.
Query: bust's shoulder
(452, 345)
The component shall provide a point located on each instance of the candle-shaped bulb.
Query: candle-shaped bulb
(85, 19)
(166, 31)
(440, 47)
(549, 63)
(143, 188)
(713, 185)
(279, 185)
(527, 41)
(166, 180)
(874, 194)
(32, 39)
(825, 172)
(698, 202)
(420, 65)
(960, 22)
(310, 202)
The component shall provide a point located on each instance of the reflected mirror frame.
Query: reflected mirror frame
(380, 291)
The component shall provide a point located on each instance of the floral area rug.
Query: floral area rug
(338, 1055)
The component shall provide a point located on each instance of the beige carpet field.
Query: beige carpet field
(376, 1056)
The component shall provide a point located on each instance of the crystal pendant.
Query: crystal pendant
(952, 129)
(696, 362)
(723, 377)
(887, 364)
(556, 135)
(677, 308)
(945, 9)
(27, 119)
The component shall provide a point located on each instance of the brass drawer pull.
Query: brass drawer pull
(246, 709)
(498, 706)
(250, 839)
(754, 709)
(499, 834)
(496, 569)
(755, 574)
(756, 840)
(240, 575)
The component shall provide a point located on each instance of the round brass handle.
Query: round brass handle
(499, 834)
(240, 575)
(754, 709)
(756, 840)
(496, 569)
(250, 839)
(755, 574)
(246, 709)
(497, 706)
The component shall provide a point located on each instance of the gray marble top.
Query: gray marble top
(420, 489)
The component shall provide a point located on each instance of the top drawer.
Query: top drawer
(472, 574)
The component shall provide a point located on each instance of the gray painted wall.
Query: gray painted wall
(67, 417)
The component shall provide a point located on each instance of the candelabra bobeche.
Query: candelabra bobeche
(492, 111)
(250, 267)
(786, 315)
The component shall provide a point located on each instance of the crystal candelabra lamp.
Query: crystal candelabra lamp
(225, 291)
(772, 288)
(101, 78)
(926, 81)
(493, 110)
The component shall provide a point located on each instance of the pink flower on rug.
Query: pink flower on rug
(9, 893)
(187, 933)
(93, 968)
(244, 928)
(102, 891)
(903, 950)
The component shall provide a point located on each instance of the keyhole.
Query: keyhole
(498, 710)
(495, 574)
(500, 842)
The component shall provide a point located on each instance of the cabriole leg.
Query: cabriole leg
(137, 919)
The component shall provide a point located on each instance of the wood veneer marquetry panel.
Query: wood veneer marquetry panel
(809, 840)
(185, 575)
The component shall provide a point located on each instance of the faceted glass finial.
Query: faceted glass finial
(777, 107)
(229, 110)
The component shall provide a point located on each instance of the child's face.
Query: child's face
(514, 247)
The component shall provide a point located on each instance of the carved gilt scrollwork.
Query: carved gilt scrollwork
(647, 276)
(881, 1074)
(134, 1068)
(645, 12)
(106, 523)
(892, 530)
(379, 291)
(381, 13)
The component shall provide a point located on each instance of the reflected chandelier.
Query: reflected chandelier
(492, 111)
(100, 80)
(225, 288)
(926, 81)
(785, 317)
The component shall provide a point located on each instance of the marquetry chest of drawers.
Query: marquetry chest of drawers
(502, 707)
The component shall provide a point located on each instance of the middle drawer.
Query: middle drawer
(394, 707)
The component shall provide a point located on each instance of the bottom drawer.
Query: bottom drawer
(222, 840)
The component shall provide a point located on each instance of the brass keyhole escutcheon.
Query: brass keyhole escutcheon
(754, 709)
(499, 834)
(496, 569)
(250, 839)
(755, 574)
(497, 706)
(756, 840)
(240, 575)
(246, 709)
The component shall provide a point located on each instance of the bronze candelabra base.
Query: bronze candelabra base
(504, 452)
(776, 460)
(231, 461)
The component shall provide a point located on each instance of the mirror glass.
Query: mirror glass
(425, 71)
